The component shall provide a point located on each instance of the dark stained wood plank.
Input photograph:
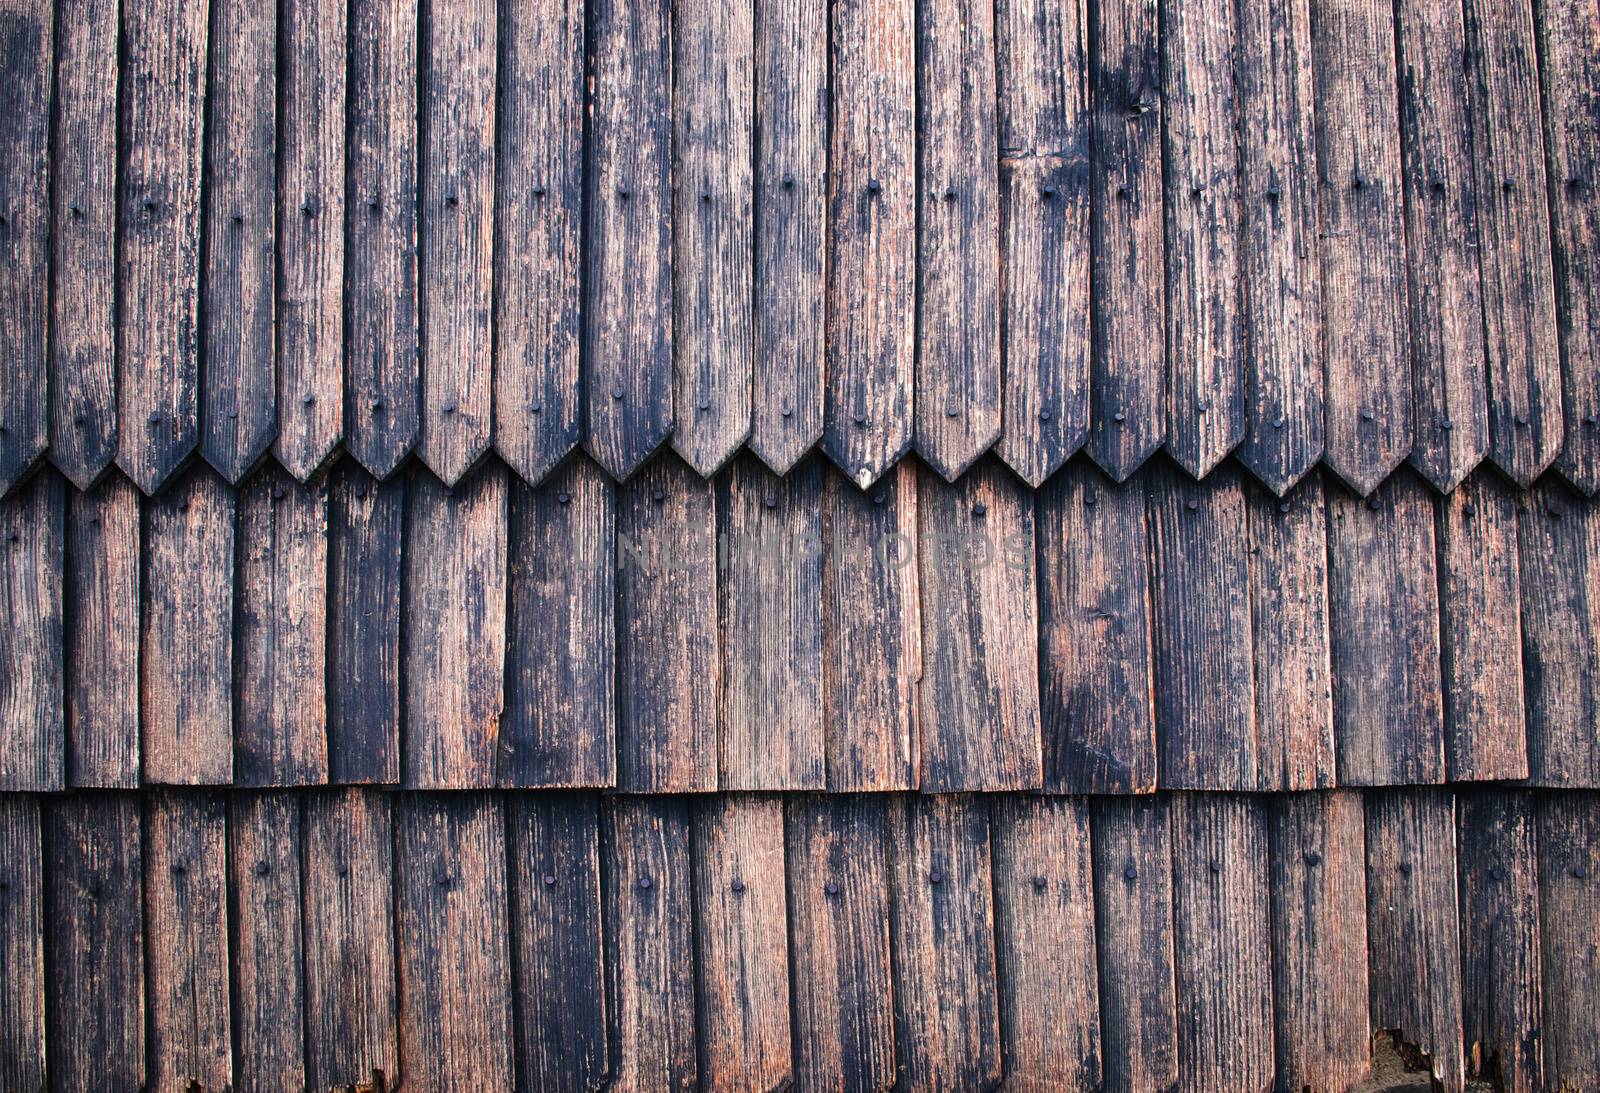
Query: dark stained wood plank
(1413, 947)
(281, 582)
(559, 727)
(1383, 621)
(557, 954)
(872, 236)
(311, 224)
(741, 942)
(979, 692)
(770, 591)
(186, 633)
(1045, 943)
(365, 533)
(264, 899)
(32, 558)
(454, 622)
(871, 632)
(94, 941)
(1095, 685)
(455, 979)
(381, 233)
(348, 912)
(1569, 907)
(22, 899)
(839, 923)
(1280, 255)
(651, 989)
(1128, 400)
(538, 221)
(100, 651)
(1368, 414)
(1317, 882)
(1481, 632)
(186, 926)
(791, 157)
(668, 667)
(1042, 59)
(628, 306)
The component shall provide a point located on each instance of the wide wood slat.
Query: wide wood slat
(100, 640)
(264, 902)
(22, 902)
(1569, 906)
(32, 557)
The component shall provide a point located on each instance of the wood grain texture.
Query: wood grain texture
(22, 901)
(872, 237)
(453, 655)
(560, 722)
(382, 390)
(627, 299)
(770, 597)
(264, 904)
(454, 960)
(32, 559)
(186, 633)
(1096, 690)
(1045, 943)
(1045, 141)
(100, 638)
(1569, 905)
(538, 199)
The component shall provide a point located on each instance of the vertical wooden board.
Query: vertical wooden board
(770, 592)
(649, 942)
(454, 622)
(628, 279)
(32, 557)
(1500, 972)
(872, 236)
(94, 941)
(22, 1012)
(1095, 685)
(538, 221)
(1569, 908)
(455, 982)
(1132, 846)
(979, 691)
(741, 943)
(1042, 61)
(100, 642)
(1481, 632)
(1368, 413)
(281, 738)
(1280, 257)
(186, 633)
(557, 957)
(1128, 402)
(311, 222)
(381, 344)
(366, 521)
(1288, 564)
(186, 924)
(264, 896)
(1383, 622)
(791, 157)
(1045, 944)
(560, 722)
(839, 930)
(1203, 639)
(668, 664)
(1317, 882)
(1413, 947)
(348, 911)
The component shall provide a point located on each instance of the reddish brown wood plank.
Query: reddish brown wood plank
(32, 557)
(264, 900)
(100, 652)
(22, 1012)
(1569, 908)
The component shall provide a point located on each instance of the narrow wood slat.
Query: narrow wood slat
(22, 902)
(1569, 905)
(538, 198)
(453, 656)
(1045, 944)
(645, 858)
(264, 898)
(770, 591)
(628, 287)
(32, 558)
(1096, 689)
(186, 633)
(1042, 60)
(557, 955)
(559, 727)
(872, 238)
(455, 980)
(100, 650)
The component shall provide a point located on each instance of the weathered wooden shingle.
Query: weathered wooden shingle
(1569, 903)
(22, 907)
(32, 742)
(100, 639)
(265, 918)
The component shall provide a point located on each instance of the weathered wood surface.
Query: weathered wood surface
(32, 558)
(1569, 905)
(265, 920)
(22, 906)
